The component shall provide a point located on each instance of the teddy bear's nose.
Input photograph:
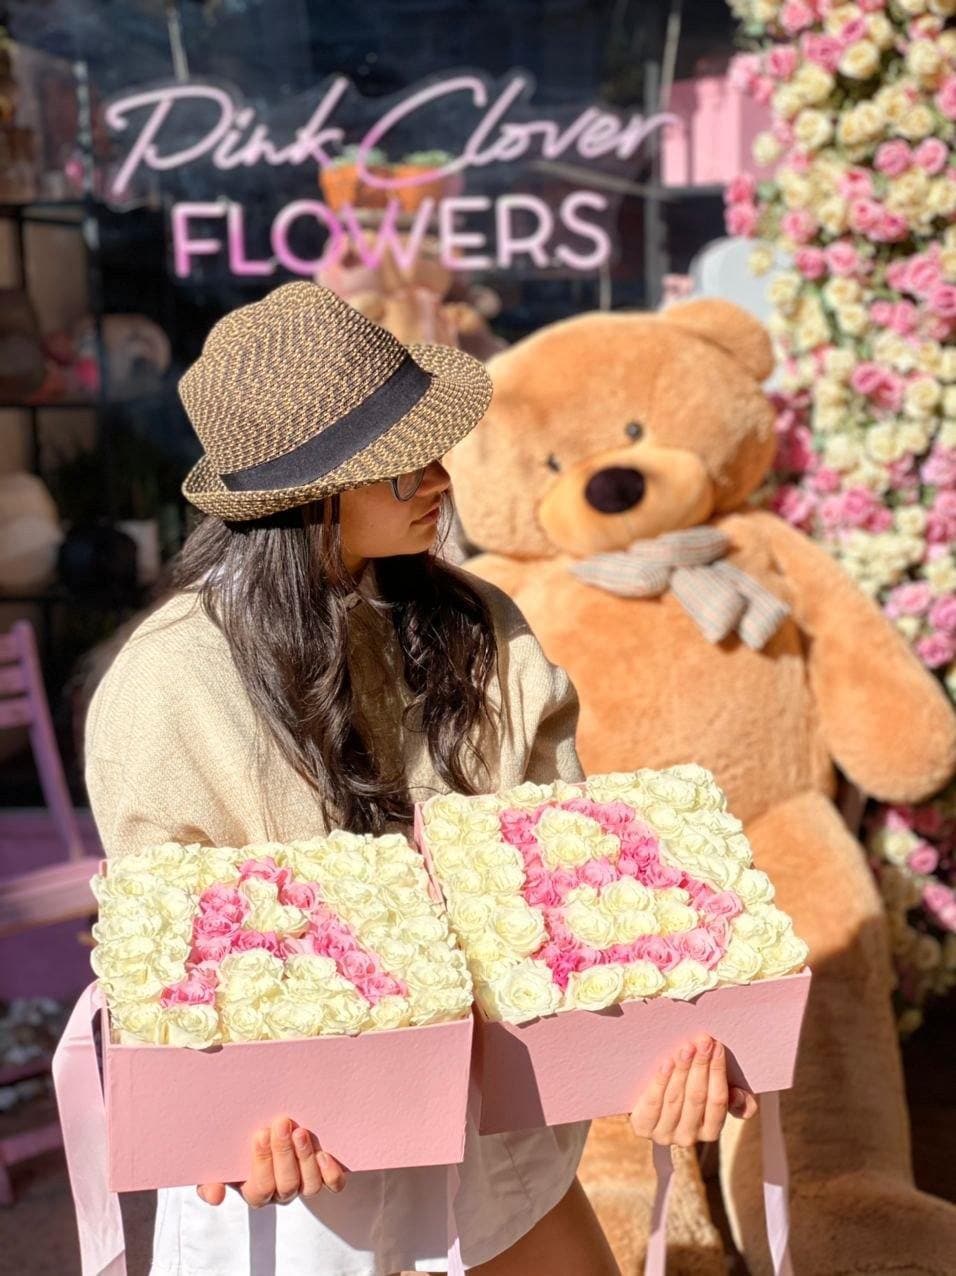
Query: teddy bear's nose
(615, 490)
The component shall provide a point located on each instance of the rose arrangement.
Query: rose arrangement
(200, 945)
(861, 197)
(630, 886)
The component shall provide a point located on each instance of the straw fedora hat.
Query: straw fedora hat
(298, 396)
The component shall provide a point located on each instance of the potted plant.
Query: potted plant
(342, 183)
(419, 163)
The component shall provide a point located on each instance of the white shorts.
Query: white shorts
(384, 1221)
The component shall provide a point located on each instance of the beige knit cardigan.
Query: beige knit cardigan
(175, 752)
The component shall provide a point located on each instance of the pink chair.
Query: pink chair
(39, 896)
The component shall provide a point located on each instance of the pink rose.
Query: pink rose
(936, 650)
(723, 904)
(659, 876)
(794, 505)
(942, 300)
(302, 895)
(923, 860)
(741, 219)
(893, 158)
(922, 275)
(741, 189)
(940, 901)
(194, 990)
(245, 940)
(890, 229)
(266, 869)
(843, 258)
(374, 987)
(904, 318)
(826, 480)
(212, 948)
(799, 225)
(762, 89)
(909, 600)
(782, 61)
(796, 16)
(942, 614)
(853, 31)
(699, 945)
(291, 946)
(881, 312)
(856, 183)
(615, 817)
(662, 952)
(946, 98)
(932, 155)
(939, 468)
(811, 262)
(865, 214)
(598, 873)
(517, 825)
(358, 965)
(941, 523)
(823, 50)
(220, 898)
(540, 891)
(214, 925)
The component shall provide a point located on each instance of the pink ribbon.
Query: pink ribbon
(776, 1182)
(79, 1097)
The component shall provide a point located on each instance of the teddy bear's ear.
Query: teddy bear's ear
(733, 329)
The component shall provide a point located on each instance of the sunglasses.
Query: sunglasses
(405, 486)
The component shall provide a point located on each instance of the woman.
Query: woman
(318, 667)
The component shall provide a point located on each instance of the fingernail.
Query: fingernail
(262, 1140)
(285, 1129)
(718, 1049)
(667, 1067)
(302, 1140)
(704, 1048)
(686, 1054)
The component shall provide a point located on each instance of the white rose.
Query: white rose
(784, 957)
(472, 915)
(193, 1026)
(674, 918)
(625, 894)
(687, 979)
(389, 1013)
(642, 979)
(813, 129)
(528, 795)
(633, 923)
(309, 969)
(439, 1005)
(249, 975)
(860, 60)
(138, 1020)
(766, 150)
(924, 60)
(596, 987)
(754, 887)
(503, 879)
(266, 913)
(917, 122)
(520, 926)
(288, 1016)
(526, 991)
(589, 923)
(922, 396)
(739, 964)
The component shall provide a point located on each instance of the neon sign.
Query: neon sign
(174, 128)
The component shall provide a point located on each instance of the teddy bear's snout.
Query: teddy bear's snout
(614, 490)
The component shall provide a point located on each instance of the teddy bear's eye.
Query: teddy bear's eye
(554, 463)
(634, 430)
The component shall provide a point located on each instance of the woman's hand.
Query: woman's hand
(286, 1162)
(689, 1098)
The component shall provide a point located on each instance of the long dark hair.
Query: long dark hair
(279, 590)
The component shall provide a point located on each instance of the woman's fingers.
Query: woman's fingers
(691, 1117)
(212, 1193)
(743, 1104)
(718, 1097)
(333, 1174)
(646, 1115)
(310, 1176)
(259, 1188)
(673, 1105)
(285, 1163)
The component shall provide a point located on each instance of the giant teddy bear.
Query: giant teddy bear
(609, 487)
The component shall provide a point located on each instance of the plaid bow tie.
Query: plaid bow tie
(718, 597)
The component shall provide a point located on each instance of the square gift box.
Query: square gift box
(568, 1064)
(181, 1114)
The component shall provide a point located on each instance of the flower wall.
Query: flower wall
(860, 196)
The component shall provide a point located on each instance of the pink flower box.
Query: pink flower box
(581, 1064)
(375, 1101)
